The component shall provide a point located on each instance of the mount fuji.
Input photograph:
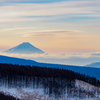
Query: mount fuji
(24, 48)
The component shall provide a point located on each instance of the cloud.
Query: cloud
(96, 54)
(18, 0)
(48, 55)
(68, 59)
(21, 11)
(17, 28)
(45, 33)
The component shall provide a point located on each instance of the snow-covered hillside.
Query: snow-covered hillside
(93, 90)
(38, 94)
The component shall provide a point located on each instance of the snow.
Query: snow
(85, 86)
(24, 48)
(38, 94)
(24, 92)
(88, 87)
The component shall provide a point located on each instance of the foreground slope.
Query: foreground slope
(37, 94)
(57, 84)
(95, 72)
(24, 48)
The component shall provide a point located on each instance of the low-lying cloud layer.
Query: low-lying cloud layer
(67, 59)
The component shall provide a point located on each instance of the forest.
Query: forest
(55, 82)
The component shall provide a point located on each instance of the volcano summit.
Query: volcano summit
(24, 48)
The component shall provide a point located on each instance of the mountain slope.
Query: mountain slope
(95, 72)
(96, 64)
(24, 48)
(38, 94)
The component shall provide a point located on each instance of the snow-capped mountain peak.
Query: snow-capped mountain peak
(24, 48)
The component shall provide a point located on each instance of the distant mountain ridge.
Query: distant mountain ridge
(24, 48)
(95, 72)
(96, 64)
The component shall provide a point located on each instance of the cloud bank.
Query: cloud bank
(67, 59)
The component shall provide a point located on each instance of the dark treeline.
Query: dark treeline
(9, 69)
(35, 71)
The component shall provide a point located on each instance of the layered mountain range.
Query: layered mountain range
(95, 72)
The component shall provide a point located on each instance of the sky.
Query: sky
(54, 26)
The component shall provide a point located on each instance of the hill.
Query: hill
(54, 83)
(95, 72)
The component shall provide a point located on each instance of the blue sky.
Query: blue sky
(33, 1)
